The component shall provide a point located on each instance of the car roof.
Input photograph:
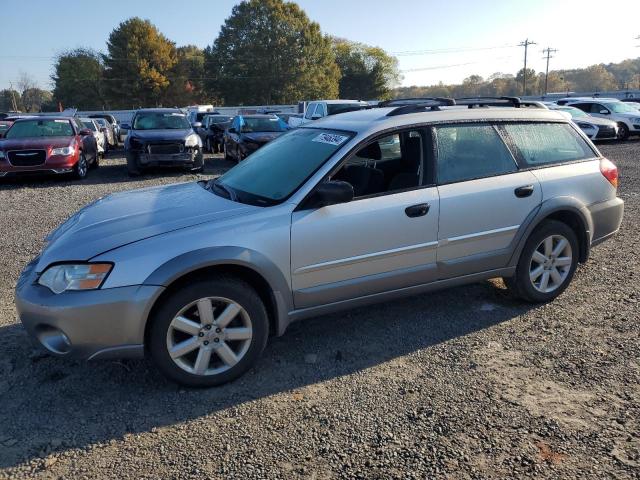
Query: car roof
(331, 102)
(376, 119)
(161, 110)
(591, 99)
(43, 117)
(259, 115)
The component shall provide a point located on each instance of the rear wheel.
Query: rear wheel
(623, 131)
(547, 263)
(81, 167)
(209, 332)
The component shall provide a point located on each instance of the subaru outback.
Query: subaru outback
(326, 217)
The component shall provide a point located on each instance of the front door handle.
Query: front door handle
(522, 192)
(419, 210)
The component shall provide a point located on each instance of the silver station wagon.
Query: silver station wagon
(349, 210)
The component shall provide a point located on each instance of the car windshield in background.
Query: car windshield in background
(161, 121)
(89, 124)
(274, 172)
(263, 125)
(219, 119)
(619, 107)
(575, 112)
(335, 108)
(40, 128)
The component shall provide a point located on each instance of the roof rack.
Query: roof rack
(415, 105)
(473, 102)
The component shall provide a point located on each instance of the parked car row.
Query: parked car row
(623, 114)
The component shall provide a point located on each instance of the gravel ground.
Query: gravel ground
(465, 383)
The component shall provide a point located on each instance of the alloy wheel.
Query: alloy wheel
(81, 168)
(209, 336)
(550, 263)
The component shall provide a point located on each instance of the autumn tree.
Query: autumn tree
(366, 72)
(137, 65)
(186, 78)
(269, 52)
(78, 79)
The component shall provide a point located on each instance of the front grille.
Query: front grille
(166, 148)
(27, 158)
(606, 132)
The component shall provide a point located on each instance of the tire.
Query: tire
(81, 167)
(529, 282)
(209, 150)
(133, 169)
(226, 154)
(198, 163)
(217, 147)
(205, 360)
(96, 161)
(623, 131)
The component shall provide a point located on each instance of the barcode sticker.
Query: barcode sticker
(330, 138)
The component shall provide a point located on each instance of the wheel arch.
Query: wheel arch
(247, 265)
(567, 210)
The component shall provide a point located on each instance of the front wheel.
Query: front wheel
(547, 263)
(623, 131)
(133, 169)
(208, 332)
(81, 167)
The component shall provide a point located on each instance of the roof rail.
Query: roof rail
(415, 105)
(516, 102)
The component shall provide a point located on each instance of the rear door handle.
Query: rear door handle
(522, 192)
(419, 210)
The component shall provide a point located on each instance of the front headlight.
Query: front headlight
(193, 140)
(63, 151)
(84, 276)
(586, 126)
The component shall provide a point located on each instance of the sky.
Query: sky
(433, 40)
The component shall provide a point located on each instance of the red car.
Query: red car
(47, 145)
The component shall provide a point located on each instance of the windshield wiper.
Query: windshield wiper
(222, 189)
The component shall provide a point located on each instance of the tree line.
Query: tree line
(267, 52)
(614, 76)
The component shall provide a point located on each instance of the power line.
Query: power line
(548, 51)
(525, 44)
(448, 50)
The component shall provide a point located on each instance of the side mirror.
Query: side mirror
(196, 125)
(85, 132)
(125, 126)
(604, 112)
(330, 192)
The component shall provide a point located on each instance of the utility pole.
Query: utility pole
(548, 51)
(525, 44)
(13, 98)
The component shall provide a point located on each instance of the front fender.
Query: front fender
(194, 260)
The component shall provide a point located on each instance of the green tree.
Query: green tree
(78, 79)
(269, 52)
(187, 78)
(366, 72)
(532, 81)
(7, 99)
(35, 100)
(138, 64)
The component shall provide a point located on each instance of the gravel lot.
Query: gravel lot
(466, 383)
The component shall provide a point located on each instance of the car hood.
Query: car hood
(262, 137)
(170, 134)
(601, 122)
(122, 218)
(34, 143)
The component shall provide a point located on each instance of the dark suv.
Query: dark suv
(162, 137)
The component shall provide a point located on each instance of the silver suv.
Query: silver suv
(353, 209)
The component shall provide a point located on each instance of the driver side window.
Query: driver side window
(386, 165)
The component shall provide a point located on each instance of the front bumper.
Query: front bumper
(155, 160)
(88, 324)
(606, 218)
(53, 164)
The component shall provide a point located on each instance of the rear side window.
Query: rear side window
(548, 143)
(466, 152)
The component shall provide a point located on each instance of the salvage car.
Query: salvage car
(626, 117)
(105, 127)
(112, 124)
(198, 275)
(212, 132)
(97, 132)
(248, 133)
(59, 145)
(593, 127)
(162, 137)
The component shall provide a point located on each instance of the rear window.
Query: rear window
(547, 143)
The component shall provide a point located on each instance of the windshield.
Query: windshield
(335, 108)
(89, 124)
(218, 119)
(575, 112)
(619, 107)
(40, 128)
(263, 124)
(160, 121)
(278, 169)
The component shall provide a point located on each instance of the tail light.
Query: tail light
(609, 171)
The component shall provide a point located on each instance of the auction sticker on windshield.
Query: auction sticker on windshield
(330, 138)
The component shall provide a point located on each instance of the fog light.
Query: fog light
(53, 339)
